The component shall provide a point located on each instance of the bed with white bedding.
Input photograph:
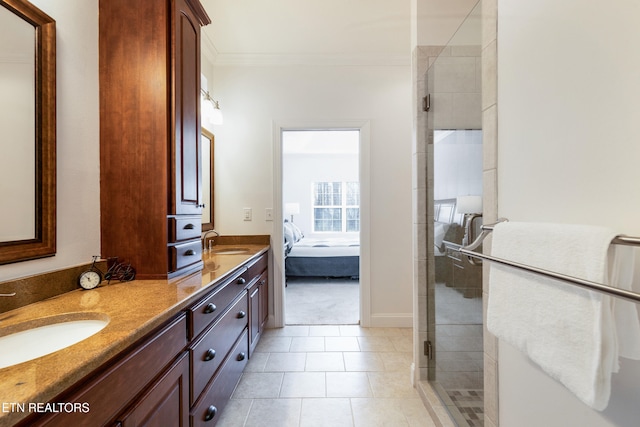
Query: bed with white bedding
(320, 257)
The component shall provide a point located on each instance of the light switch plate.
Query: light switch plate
(247, 214)
(268, 214)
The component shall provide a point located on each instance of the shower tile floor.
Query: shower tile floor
(459, 356)
(470, 407)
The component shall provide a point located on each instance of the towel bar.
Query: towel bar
(594, 286)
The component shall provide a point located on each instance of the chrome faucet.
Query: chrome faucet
(204, 239)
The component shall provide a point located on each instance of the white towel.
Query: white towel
(568, 331)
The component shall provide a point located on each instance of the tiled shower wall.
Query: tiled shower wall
(423, 56)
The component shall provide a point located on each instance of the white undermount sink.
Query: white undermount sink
(40, 337)
(229, 251)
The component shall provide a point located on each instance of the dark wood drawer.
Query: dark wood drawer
(184, 228)
(210, 350)
(256, 268)
(213, 305)
(208, 409)
(185, 254)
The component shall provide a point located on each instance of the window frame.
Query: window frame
(343, 206)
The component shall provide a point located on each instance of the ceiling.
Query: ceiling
(308, 27)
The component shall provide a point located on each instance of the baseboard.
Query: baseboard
(392, 320)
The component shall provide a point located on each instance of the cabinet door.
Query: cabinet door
(254, 316)
(186, 147)
(166, 402)
(264, 298)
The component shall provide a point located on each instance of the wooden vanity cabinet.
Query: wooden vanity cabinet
(166, 403)
(150, 148)
(149, 380)
(185, 371)
(224, 325)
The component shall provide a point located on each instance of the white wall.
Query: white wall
(254, 97)
(78, 158)
(569, 108)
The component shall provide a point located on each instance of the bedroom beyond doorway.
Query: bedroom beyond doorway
(321, 203)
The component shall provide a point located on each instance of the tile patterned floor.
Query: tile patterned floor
(470, 404)
(328, 376)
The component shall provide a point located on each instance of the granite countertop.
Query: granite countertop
(134, 309)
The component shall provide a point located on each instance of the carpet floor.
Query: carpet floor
(319, 301)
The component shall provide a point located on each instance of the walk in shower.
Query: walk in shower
(454, 308)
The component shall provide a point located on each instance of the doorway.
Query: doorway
(321, 227)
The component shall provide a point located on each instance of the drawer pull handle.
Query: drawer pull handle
(241, 357)
(241, 281)
(189, 227)
(211, 412)
(242, 315)
(190, 252)
(209, 355)
(210, 308)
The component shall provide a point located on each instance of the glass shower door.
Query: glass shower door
(455, 308)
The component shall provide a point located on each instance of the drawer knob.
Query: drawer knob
(209, 355)
(211, 412)
(190, 252)
(242, 315)
(241, 356)
(189, 227)
(210, 308)
(241, 281)
(263, 281)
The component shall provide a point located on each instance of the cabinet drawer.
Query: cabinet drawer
(209, 351)
(256, 268)
(208, 409)
(184, 228)
(213, 305)
(185, 254)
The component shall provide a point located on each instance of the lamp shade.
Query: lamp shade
(469, 204)
(216, 114)
(211, 112)
(292, 208)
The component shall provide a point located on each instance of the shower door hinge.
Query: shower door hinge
(428, 350)
(426, 103)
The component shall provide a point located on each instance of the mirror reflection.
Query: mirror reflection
(28, 132)
(207, 179)
(17, 121)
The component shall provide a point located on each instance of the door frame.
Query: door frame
(277, 240)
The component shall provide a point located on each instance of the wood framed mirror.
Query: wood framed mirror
(28, 192)
(207, 179)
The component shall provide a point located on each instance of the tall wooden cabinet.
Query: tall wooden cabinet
(150, 159)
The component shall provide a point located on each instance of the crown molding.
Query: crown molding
(271, 60)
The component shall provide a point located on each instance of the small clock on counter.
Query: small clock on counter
(91, 278)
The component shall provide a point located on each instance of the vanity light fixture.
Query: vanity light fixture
(211, 109)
